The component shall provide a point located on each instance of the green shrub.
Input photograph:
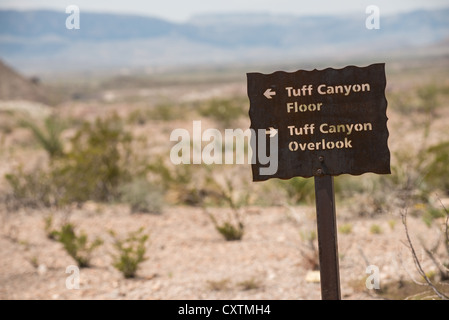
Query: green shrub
(33, 189)
(219, 285)
(96, 164)
(48, 135)
(165, 112)
(137, 117)
(431, 214)
(224, 111)
(34, 261)
(438, 170)
(230, 231)
(142, 196)
(177, 180)
(6, 122)
(392, 224)
(375, 229)
(428, 96)
(400, 102)
(250, 284)
(232, 228)
(162, 112)
(77, 246)
(51, 233)
(130, 252)
(299, 190)
(345, 228)
(309, 249)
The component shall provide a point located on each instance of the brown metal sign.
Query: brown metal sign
(326, 122)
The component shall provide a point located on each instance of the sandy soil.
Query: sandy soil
(188, 259)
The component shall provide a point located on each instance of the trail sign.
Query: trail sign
(325, 123)
(328, 122)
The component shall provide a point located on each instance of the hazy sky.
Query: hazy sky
(181, 10)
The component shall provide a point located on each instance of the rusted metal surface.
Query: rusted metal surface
(306, 107)
(327, 238)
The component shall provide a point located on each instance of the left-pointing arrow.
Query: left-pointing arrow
(268, 93)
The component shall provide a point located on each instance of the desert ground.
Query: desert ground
(186, 256)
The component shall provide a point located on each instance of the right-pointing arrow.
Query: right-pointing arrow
(268, 93)
(271, 131)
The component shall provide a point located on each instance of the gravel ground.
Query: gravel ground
(188, 259)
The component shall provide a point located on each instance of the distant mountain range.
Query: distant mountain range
(14, 86)
(37, 41)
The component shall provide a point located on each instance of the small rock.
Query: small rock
(157, 286)
(281, 238)
(313, 276)
(42, 269)
(115, 294)
(271, 275)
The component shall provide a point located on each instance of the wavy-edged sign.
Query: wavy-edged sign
(326, 122)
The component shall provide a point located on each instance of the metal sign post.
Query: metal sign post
(327, 238)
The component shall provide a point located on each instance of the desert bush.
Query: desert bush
(162, 112)
(437, 172)
(428, 98)
(415, 176)
(6, 122)
(219, 285)
(373, 195)
(224, 111)
(97, 163)
(170, 176)
(48, 228)
(33, 189)
(165, 112)
(34, 261)
(177, 181)
(309, 249)
(137, 117)
(431, 214)
(142, 196)
(410, 178)
(250, 284)
(441, 262)
(400, 102)
(299, 190)
(94, 168)
(417, 172)
(232, 227)
(77, 246)
(392, 224)
(48, 135)
(226, 284)
(425, 101)
(230, 231)
(345, 228)
(130, 252)
(375, 229)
